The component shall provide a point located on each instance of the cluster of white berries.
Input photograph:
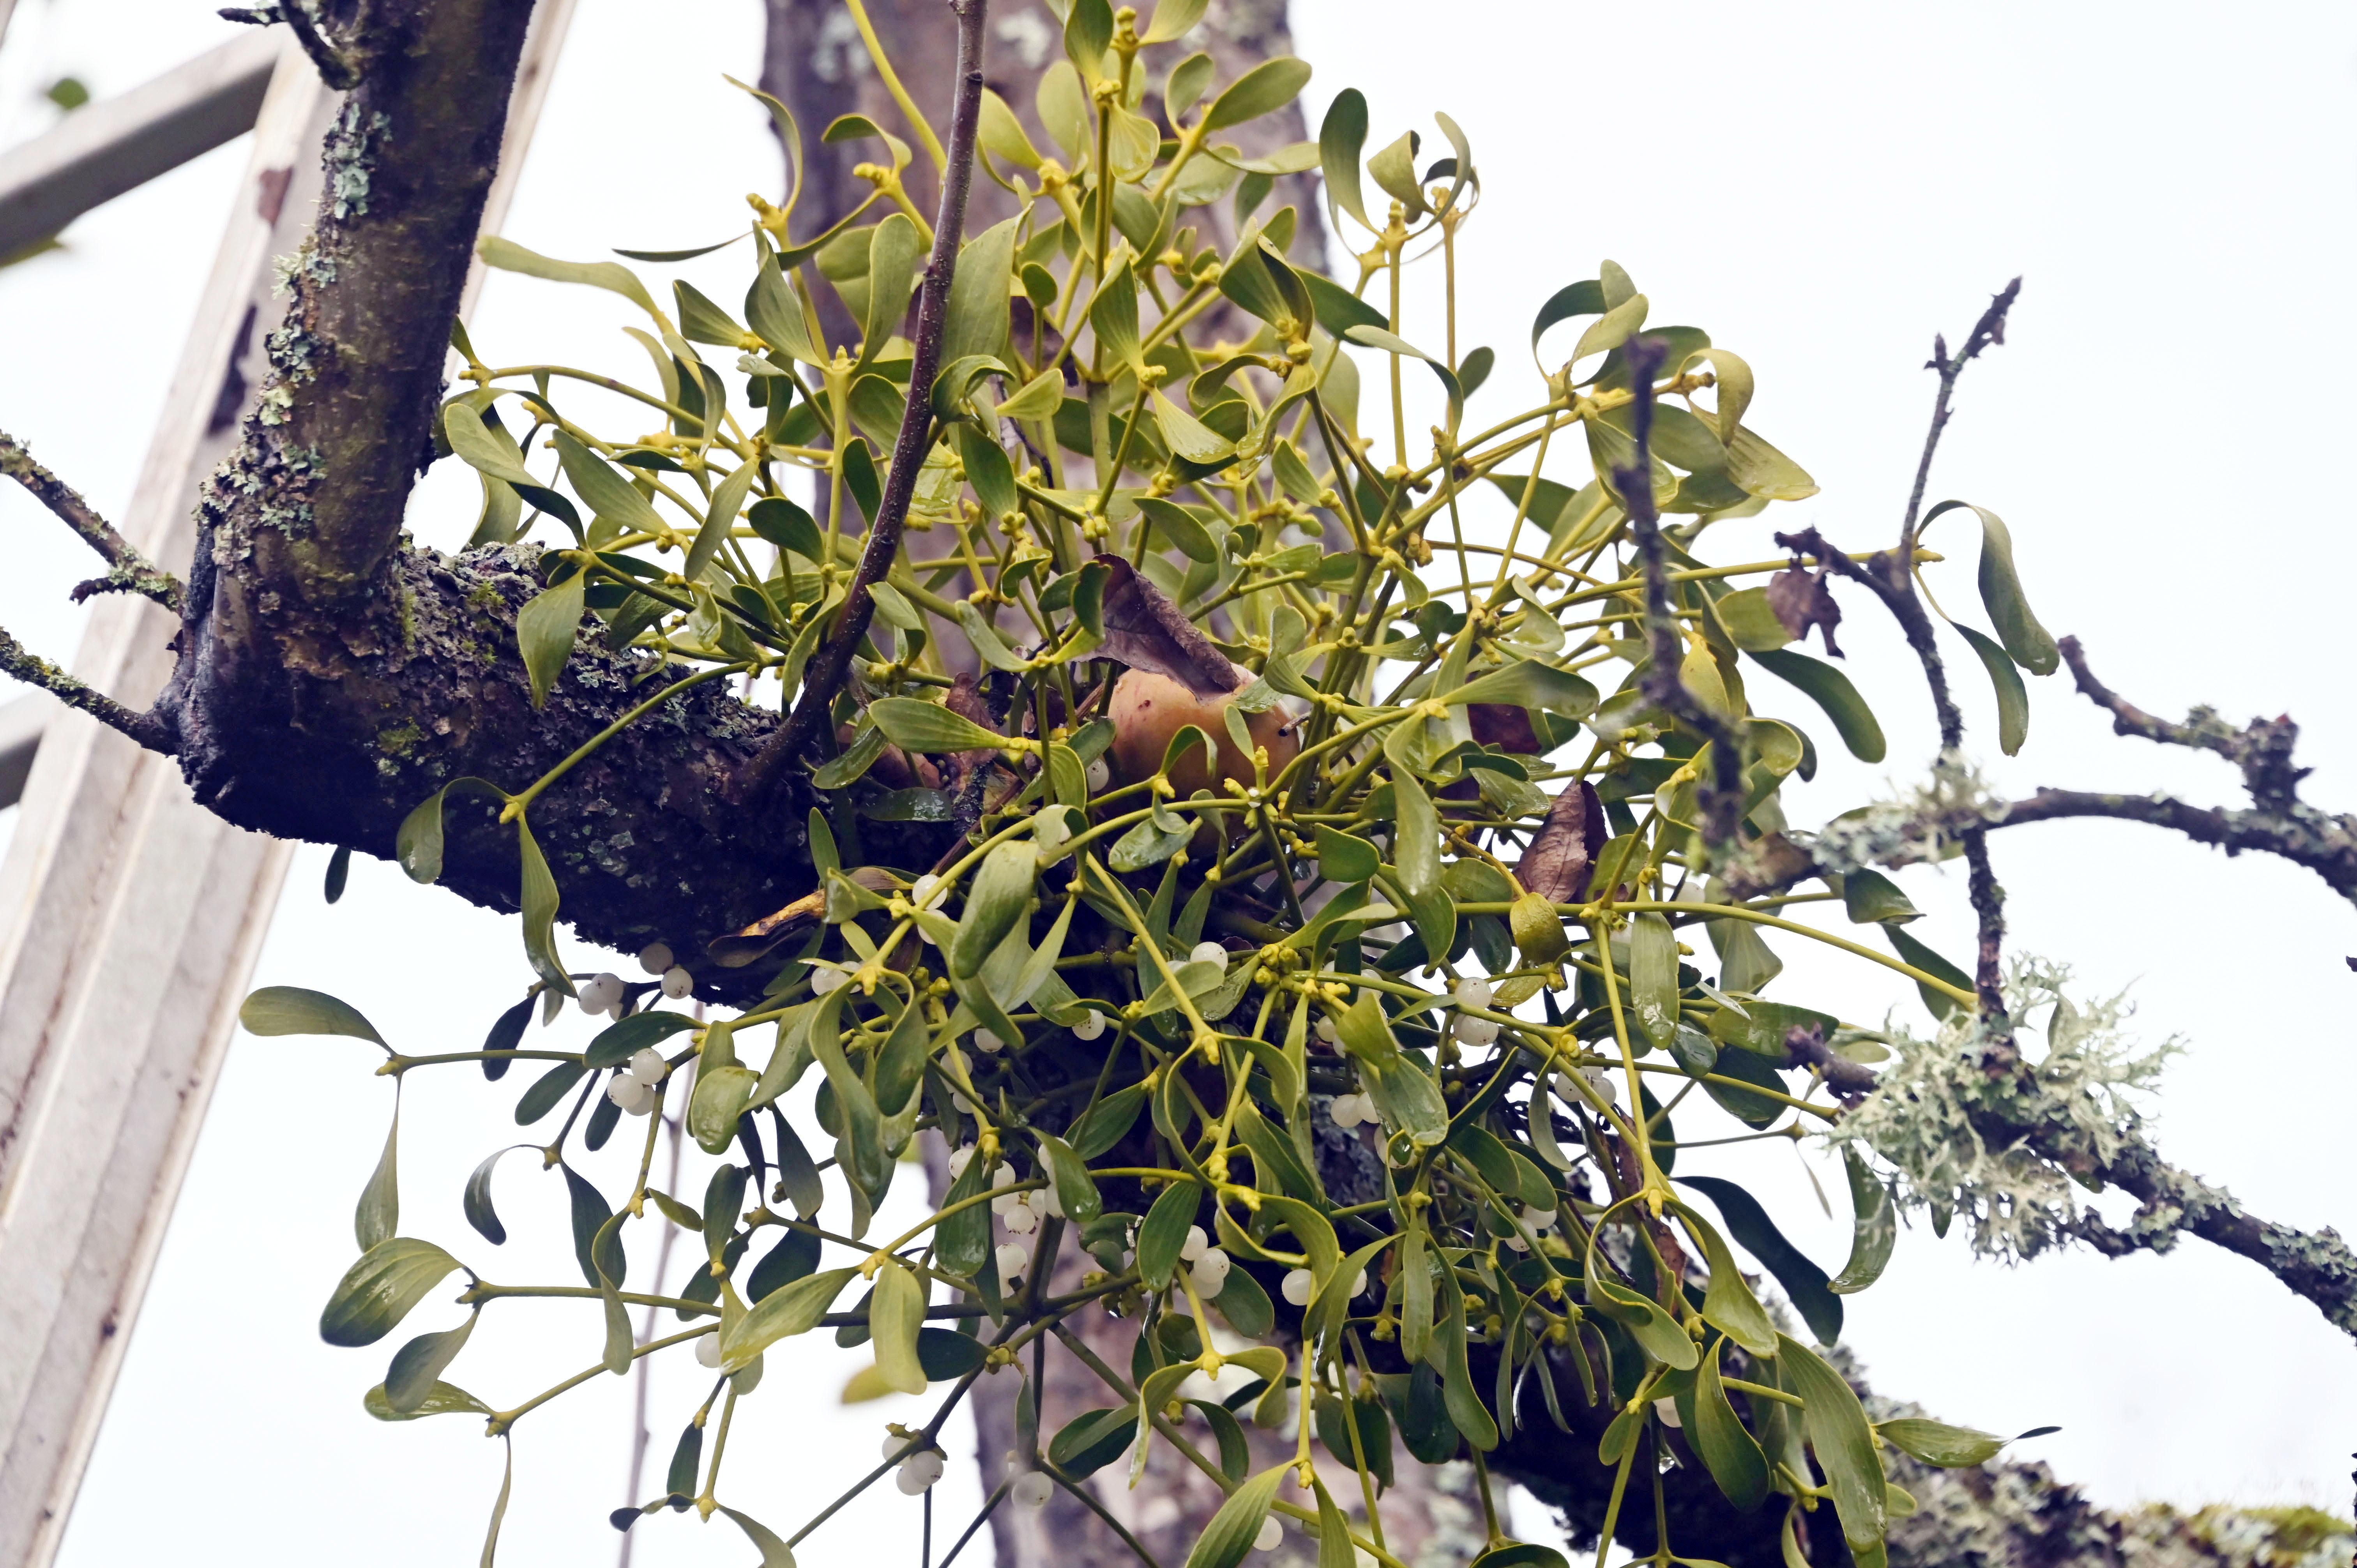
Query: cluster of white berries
(1207, 1266)
(1353, 1111)
(1021, 1212)
(1298, 1285)
(1539, 1220)
(921, 1469)
(604, 994)
(1599, 1079)
(633, 1088)
(1473, 992)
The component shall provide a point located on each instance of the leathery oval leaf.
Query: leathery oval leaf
(1728, 1301)
(1000, 896)
(1874, 1232)
(1844, 1441)
(417, 1367)
(1230, 1534)
(292, 1010)
(377, 1292)
(545, 632)
(784, 1313)
(1728, 1450)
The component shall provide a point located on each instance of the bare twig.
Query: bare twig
(1891, 576)
(1721, 794)
(132, 572)
(148, 729)
(823, 676)
(2262, 749)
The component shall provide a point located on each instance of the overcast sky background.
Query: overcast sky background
(1822, 187)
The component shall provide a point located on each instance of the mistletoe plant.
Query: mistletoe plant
(1179, 773)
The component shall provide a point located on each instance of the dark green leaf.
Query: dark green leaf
(1830, 690)
(378, 1292)
(1875, 1231)
(589, 1212)
(546, 1090)
(1804, 1282)
(1725, 1448)
(417, 1367)
(2012, 696)
(1844, 1443)
(794, 1257)
(1164, 1231)
(476, 1202)
(617, 1043)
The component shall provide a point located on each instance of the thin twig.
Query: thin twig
(149, 729)
(1722, 793)
(825, 675)
(2261, 749)
(1890, 575)
(132, 572)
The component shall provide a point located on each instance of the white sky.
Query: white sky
(1820, 188)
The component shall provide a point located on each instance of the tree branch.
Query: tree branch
(131, 572)
(1721, 794)
(2262, 749)
(1891, 577)
(152, 730)
(823, 676)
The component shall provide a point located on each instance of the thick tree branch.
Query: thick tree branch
(129, 571)
(824, 676)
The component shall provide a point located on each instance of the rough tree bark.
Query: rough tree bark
(331, 677)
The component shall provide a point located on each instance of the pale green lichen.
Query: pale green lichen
(1925, 1117)
(350, 146)
(1918, 825)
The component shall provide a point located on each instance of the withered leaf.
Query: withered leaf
(738, 949)
(1146, 631)
(1801, 601)
(1563, 853)
(1504, 724)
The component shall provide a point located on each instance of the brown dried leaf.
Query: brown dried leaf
(1801, 601)
(1504, 724)
(1562, 854)
(738, 949)
(1146, 631)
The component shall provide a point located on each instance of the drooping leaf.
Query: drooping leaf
(1831, 691)
(1804, 1282)
(1875, 1229)
(1843, 1441)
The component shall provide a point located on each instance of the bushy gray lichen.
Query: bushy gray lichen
(1926, 1118)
